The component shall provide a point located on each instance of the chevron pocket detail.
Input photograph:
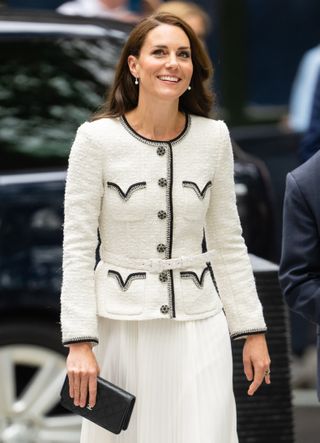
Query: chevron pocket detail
(195, 187)
(132, 188)
(124, 285)
(194, 277)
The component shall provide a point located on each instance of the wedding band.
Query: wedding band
(267, 372)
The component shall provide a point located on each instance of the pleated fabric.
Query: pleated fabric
(181, 374)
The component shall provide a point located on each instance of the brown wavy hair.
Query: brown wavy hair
(123, 95)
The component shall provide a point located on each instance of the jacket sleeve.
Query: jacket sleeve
(83, 193)
(299, 273)
(231, 264)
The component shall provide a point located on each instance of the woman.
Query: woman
(152, 171)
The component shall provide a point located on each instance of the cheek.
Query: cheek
(189, 71)
(150, 67)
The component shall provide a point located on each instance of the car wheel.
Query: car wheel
(32, 368)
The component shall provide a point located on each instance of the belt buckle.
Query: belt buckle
(179, 262)
(164, 265)
(175, 263)
(168, 266)
(154, 265)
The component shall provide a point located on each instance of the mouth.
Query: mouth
(169, 78)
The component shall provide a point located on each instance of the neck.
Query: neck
(157, 121)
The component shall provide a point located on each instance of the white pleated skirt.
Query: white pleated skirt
(181, 374)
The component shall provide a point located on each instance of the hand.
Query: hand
(256, 361)
(83, 369)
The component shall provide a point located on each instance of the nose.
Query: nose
(172, 60)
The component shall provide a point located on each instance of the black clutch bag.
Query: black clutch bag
(112, 410)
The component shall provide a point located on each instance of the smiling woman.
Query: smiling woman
(151, 171)
(150, 40)
(164, 69)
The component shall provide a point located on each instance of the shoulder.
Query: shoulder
(308, 170)
(101, 124)
(214, 134)
(77, 7)
(313, 53)
(71, 7)
(100, 129)
(209, 124)
(91, 137)
(305, 181)
(310, 57)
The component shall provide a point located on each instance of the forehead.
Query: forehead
(167, 35)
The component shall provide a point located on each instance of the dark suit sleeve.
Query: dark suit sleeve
(310, 142)
(300, 261)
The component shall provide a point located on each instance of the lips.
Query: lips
(169, 78)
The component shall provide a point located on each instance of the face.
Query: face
(164, 67)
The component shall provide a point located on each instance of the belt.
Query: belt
(157, 264)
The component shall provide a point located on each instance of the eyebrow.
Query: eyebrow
(165, 47)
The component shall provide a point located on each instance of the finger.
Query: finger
(92, 390)
(253, 387)
(83, 390)
(267, 379)
(71, 384)
(76, 389)
(258, 379)
(248, 369)
(267, 376)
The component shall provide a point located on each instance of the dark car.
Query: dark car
(54, 73)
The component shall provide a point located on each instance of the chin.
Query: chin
(170, 95)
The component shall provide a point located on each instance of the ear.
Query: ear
(133, 65)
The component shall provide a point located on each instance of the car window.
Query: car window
(47, 88)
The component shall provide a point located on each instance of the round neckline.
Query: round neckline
(140, 137)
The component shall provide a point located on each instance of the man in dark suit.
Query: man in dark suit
(300, 261)
(310, 142)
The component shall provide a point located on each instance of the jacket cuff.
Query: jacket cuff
(93, 340)
(244, 334)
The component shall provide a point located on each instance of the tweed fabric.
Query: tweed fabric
(113, 184)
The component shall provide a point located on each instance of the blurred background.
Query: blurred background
(57, 64)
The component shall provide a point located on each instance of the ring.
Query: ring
(267, 372)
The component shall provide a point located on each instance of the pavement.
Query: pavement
(306, 409)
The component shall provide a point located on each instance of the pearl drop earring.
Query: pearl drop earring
(136, 82)
(189, 88)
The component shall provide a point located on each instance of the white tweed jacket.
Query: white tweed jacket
(151, 202)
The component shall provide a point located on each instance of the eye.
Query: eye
(158, 52)
(184, 54)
